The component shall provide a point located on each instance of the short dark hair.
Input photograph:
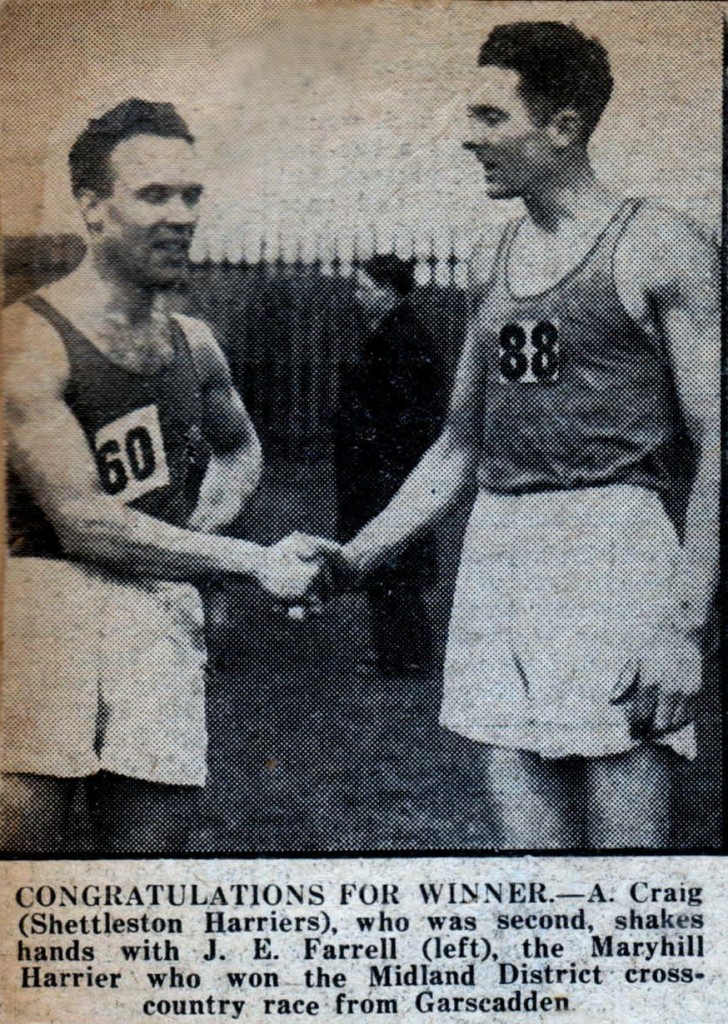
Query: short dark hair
(558, 65)
(89, 157)
(391, 270)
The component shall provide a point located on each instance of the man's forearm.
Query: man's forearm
(230, 481)
(127, 541)
(695, 578)
(425, 496)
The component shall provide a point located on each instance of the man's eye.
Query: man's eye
(155, 194)
(192, 196)
(487, 116)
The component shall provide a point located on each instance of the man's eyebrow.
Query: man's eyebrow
(193, 186)
(483, 108)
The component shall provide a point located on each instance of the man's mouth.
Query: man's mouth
(488, 165)
(173, 246)
(177, 245)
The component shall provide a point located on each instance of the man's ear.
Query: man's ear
(566, 127)
(90, 205)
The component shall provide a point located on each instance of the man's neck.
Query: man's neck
(113, 297)
(565, 196)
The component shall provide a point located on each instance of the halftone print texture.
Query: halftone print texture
(478, 350)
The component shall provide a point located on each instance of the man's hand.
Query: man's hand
(658, 688)
(297, 572)
(310, 547)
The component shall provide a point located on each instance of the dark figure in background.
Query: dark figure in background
(391, 404)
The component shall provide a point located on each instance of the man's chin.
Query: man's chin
(499, 190)
(168, 276)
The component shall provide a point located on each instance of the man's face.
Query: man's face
(148, 220)
(513, 150)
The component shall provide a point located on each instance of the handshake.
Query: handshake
(302, 571)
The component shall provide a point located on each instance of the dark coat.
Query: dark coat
(391, 409)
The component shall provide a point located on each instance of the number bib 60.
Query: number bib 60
(528, 352)
(130, 454)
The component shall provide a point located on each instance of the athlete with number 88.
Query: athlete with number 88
(592, 358)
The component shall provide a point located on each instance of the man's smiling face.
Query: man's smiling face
(150, 215)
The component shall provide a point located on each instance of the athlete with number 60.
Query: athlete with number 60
(130, 452)
(592, 358)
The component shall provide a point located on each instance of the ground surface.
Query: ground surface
(312, 749)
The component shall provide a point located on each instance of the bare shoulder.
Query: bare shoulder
(662, 248)
(206, 351)
(35, 359)
(198, 332)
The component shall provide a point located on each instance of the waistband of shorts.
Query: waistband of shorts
(616, 500)
(607, 490)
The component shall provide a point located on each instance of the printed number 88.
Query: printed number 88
(544, 361)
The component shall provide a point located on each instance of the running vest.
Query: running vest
(577, 394)
(145, 432)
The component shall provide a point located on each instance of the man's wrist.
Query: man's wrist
(357, 560)
(243, 558)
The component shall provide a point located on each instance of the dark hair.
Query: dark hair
(391, 270)
(89, 157)
(558, 65)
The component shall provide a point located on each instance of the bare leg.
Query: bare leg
(135, 816)
(629, 798)
(536, 801)
(35, 813)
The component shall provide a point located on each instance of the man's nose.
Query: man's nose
(178, 212)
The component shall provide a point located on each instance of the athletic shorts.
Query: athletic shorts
(556, 591)
(102, 673)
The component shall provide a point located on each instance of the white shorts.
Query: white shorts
(102, 673)
(555, 592)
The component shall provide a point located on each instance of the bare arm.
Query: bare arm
(49, 450)
(691, 318)
(437, 481)
(234, 470)
(677, 272)
(447, 467)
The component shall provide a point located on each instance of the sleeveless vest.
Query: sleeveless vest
(145, 432)
(577, 393)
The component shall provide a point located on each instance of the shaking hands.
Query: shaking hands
(302, 571)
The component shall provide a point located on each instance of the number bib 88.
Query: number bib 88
(528, 352)
(130, 454)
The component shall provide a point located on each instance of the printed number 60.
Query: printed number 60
(114, 469)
